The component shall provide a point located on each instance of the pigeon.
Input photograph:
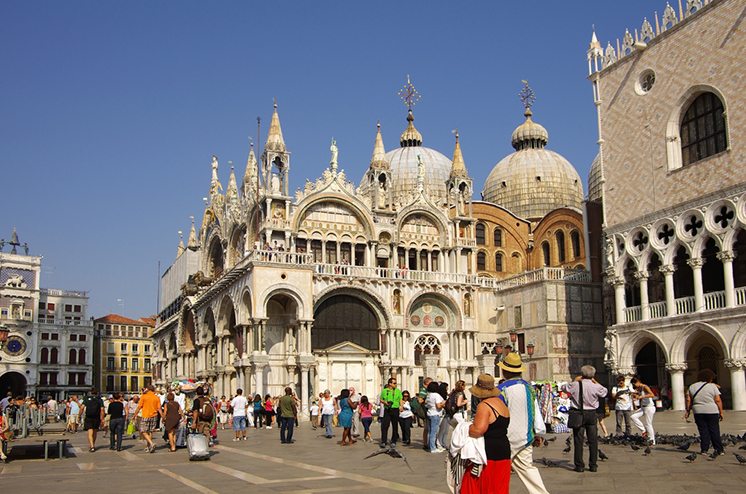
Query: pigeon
(567, 449)
(743, 447)
(685, 446)
(691, 457)
(602, 455)
(551, 439)
(548, 463)
(740, 458)
(392, 452)
(714, 455)
(568, 441)
(647, 451)
(634, 447)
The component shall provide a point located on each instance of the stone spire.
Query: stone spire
(231, 193)
(215, 186)
(458, 169)
(275, 142)
(251, 174)
(378, 160)
(192, 242)
(180, 248)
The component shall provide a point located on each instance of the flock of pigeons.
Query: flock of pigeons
(681, 442)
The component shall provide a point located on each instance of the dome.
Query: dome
(533, 180)
(595, 192)
(403, 163)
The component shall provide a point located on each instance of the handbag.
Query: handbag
(575, 418)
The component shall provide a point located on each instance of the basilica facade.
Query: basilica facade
(343, 284)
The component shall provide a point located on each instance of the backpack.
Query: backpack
(206, 412)
(451, 408)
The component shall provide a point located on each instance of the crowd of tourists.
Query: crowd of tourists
(487, 433)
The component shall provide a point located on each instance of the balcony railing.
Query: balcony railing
(686, 305)
(280, 257)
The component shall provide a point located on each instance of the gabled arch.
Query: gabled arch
(701, 242)
(288, 290)
(349, 202)
(680, 345)
(437, 218)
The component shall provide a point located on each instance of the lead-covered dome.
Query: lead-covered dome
(533, 180)
(595, 192)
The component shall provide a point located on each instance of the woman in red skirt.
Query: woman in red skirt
(491, 422)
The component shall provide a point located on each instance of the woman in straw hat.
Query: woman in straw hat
(490, 422)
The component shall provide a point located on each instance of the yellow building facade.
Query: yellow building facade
(123, 350)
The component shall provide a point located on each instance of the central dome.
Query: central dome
(404, 173)
(533, 180)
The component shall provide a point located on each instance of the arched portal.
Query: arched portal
(282, 314)
(345, 318)
(703, 351)
(650, 363)
(14, 382)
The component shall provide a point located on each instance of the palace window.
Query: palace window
(109, 384)
(72, 357)
(110, 365)
(546, 254)
(499, 262)
(575, 239)
(480, 234)
(481, 261)
(703, 129)
(123, 383)
(123, 363)
(81, 356)
(44, 356)
(53, 356)
(560, 237)
(498, 237)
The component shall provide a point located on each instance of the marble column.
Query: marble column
(699, 296)
(727, 257)
(642, 277)
(619, 301)
(677, 384)
(737, 382)
(667, 271)
(304, 390)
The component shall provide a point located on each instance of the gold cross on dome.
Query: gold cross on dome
(409, 95)
(527, 95)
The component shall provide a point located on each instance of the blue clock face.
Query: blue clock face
(15, 345)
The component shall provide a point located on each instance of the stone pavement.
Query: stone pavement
(315, 464)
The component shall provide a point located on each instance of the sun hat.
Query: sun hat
(512, 363)
(485, 387)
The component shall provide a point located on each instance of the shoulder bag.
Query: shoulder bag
(575, 419)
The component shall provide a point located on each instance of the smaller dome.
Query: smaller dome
(529, 135)
(595, 191)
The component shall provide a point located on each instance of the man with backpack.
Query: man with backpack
(203, 413)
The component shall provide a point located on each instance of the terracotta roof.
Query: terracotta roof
(117, 319)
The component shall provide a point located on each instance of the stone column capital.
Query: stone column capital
(726, 256)
(626, 371)
(617, 281)
(667, 269)
(677, 367)
(696, 263)
(735, 364)
(642, 275)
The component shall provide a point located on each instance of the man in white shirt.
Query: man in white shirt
(180, 398)
(622, 396)
(52, 409)
(239, 404)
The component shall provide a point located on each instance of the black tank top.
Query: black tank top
(496, 443)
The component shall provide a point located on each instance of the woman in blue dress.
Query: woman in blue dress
(346, 407)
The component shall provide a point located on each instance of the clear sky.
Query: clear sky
(110, 111)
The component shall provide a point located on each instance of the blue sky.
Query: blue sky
(111, 110)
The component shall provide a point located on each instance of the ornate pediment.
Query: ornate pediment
(346, 347)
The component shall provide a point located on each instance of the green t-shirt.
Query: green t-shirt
(393, 396)
(286, 406)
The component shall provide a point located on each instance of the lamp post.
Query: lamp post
(3, 335)
(530, 350)
(513, 335)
